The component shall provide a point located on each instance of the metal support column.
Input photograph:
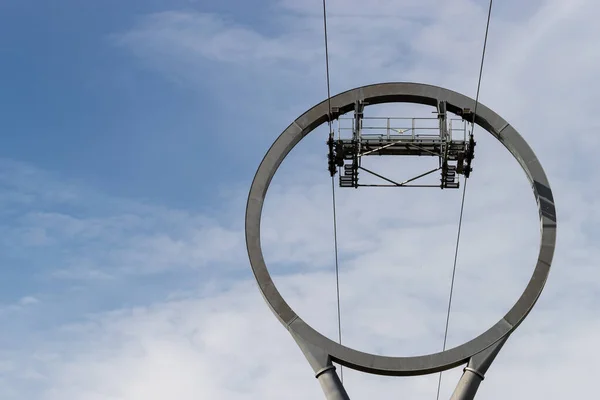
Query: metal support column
(331, 384)
(475, 371)
(324, 370)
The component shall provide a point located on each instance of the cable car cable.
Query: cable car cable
(462, 205)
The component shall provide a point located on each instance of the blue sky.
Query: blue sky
(130, 135)
(84, 107)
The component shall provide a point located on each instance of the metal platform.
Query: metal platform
(441, 137)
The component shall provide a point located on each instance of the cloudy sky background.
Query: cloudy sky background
(130, 136)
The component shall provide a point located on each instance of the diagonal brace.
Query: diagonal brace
(401, 183)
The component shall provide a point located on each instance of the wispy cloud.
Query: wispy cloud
(93, 235)
(215, 338)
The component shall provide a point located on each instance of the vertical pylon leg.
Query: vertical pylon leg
(324, 369)
(475, 371)
(331, 384)
(467, 386)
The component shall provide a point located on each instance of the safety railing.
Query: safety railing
(402, 128)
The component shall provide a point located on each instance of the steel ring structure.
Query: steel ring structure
(321, 350)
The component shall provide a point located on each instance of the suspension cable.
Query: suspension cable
(462, 204)
(327, 66)
(335, 240)
(337, 273)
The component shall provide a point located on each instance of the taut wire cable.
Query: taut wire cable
(462, 204)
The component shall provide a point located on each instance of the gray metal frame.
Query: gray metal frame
(478, 352)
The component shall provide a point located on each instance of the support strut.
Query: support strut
(474, 372)
(324, 370)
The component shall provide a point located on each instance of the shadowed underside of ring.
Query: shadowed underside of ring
(319, 349)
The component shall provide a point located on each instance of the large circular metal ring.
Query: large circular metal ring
(407, 93)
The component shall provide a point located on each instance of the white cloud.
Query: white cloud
(230, 345)
(99, 236)
(395, 246)
(28, 300)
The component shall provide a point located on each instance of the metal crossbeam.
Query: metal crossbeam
(361, 136)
